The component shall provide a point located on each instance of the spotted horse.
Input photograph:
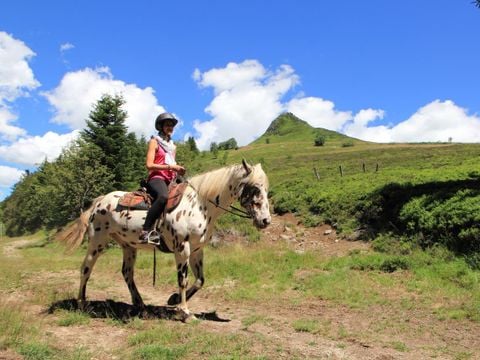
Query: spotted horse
(185, 231)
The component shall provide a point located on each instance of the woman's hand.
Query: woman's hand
(178, 168)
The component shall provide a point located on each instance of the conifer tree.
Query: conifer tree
(106, 129)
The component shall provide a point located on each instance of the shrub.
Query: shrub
(319, 140)
(284, 202)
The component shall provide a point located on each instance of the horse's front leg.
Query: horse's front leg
(182, 254)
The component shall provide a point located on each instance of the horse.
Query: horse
(184, 231)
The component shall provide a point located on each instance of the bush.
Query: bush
(285, 202)
(319, 140)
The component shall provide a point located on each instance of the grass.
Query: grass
(69, 318)
(165, 341)
(404, 279)
(312, 326)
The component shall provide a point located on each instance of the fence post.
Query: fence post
(363, 167)
(316, 173)
(341, 170)
(376, 168)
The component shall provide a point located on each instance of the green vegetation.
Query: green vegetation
(425, 194)
(105, 158)
(417, 203)
(402, 281)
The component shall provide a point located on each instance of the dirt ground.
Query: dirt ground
(347, 333)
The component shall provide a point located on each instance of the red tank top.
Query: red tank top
(167, 175)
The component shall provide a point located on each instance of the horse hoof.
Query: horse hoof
(190, 319)
(174, 299)
(81, 305)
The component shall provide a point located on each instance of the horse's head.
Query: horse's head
(253, 197)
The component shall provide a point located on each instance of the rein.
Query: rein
(238, 212)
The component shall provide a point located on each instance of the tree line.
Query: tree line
(105, 157)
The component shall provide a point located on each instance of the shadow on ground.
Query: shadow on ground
(125, 312)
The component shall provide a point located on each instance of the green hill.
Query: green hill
(429, 192)
(287, 127)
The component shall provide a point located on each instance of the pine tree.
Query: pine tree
(106, 129)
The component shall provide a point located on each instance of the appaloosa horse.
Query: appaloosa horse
(184, 231)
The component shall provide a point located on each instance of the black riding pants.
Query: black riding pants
(158, 188)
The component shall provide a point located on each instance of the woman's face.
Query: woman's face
(167, 127)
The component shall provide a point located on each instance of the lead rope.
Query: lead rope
(154, 264)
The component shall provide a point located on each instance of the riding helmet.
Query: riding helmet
(162, 117)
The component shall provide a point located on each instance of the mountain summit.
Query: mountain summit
(288, 127)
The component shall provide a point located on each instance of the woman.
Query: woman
(162, 170)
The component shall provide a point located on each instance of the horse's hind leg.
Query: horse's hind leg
(129, 257)
(95, 248)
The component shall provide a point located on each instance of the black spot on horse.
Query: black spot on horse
(217, 200)
(98, 229)
(85, 271)
(103, 211)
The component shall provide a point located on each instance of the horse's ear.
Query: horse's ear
(247, 167)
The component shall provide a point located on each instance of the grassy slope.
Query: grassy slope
(290, 158)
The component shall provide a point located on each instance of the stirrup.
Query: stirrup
(153, 237)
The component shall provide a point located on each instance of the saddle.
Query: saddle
(142, 200)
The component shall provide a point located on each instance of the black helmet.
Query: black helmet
(162, 117)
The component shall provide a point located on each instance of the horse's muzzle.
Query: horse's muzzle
(263, 223)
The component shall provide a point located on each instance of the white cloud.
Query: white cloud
(9, 176)
(78, 91)
(7, 130)
(436, 121)
(319, 112)
(65, 47)
(247, 98)
(15, 73)
(16, 79)
(32, 150)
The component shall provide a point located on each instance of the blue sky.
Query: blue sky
(377, 70)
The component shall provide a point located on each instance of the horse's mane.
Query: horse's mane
(210, 184)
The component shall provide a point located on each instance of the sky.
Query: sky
(377, 70)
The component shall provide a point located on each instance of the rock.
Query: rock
(327, 232)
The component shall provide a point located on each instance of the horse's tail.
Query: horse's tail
(72, 235)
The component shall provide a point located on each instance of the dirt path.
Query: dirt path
(344, 333)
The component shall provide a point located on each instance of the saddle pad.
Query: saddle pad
(175, 193)
(139, 200)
